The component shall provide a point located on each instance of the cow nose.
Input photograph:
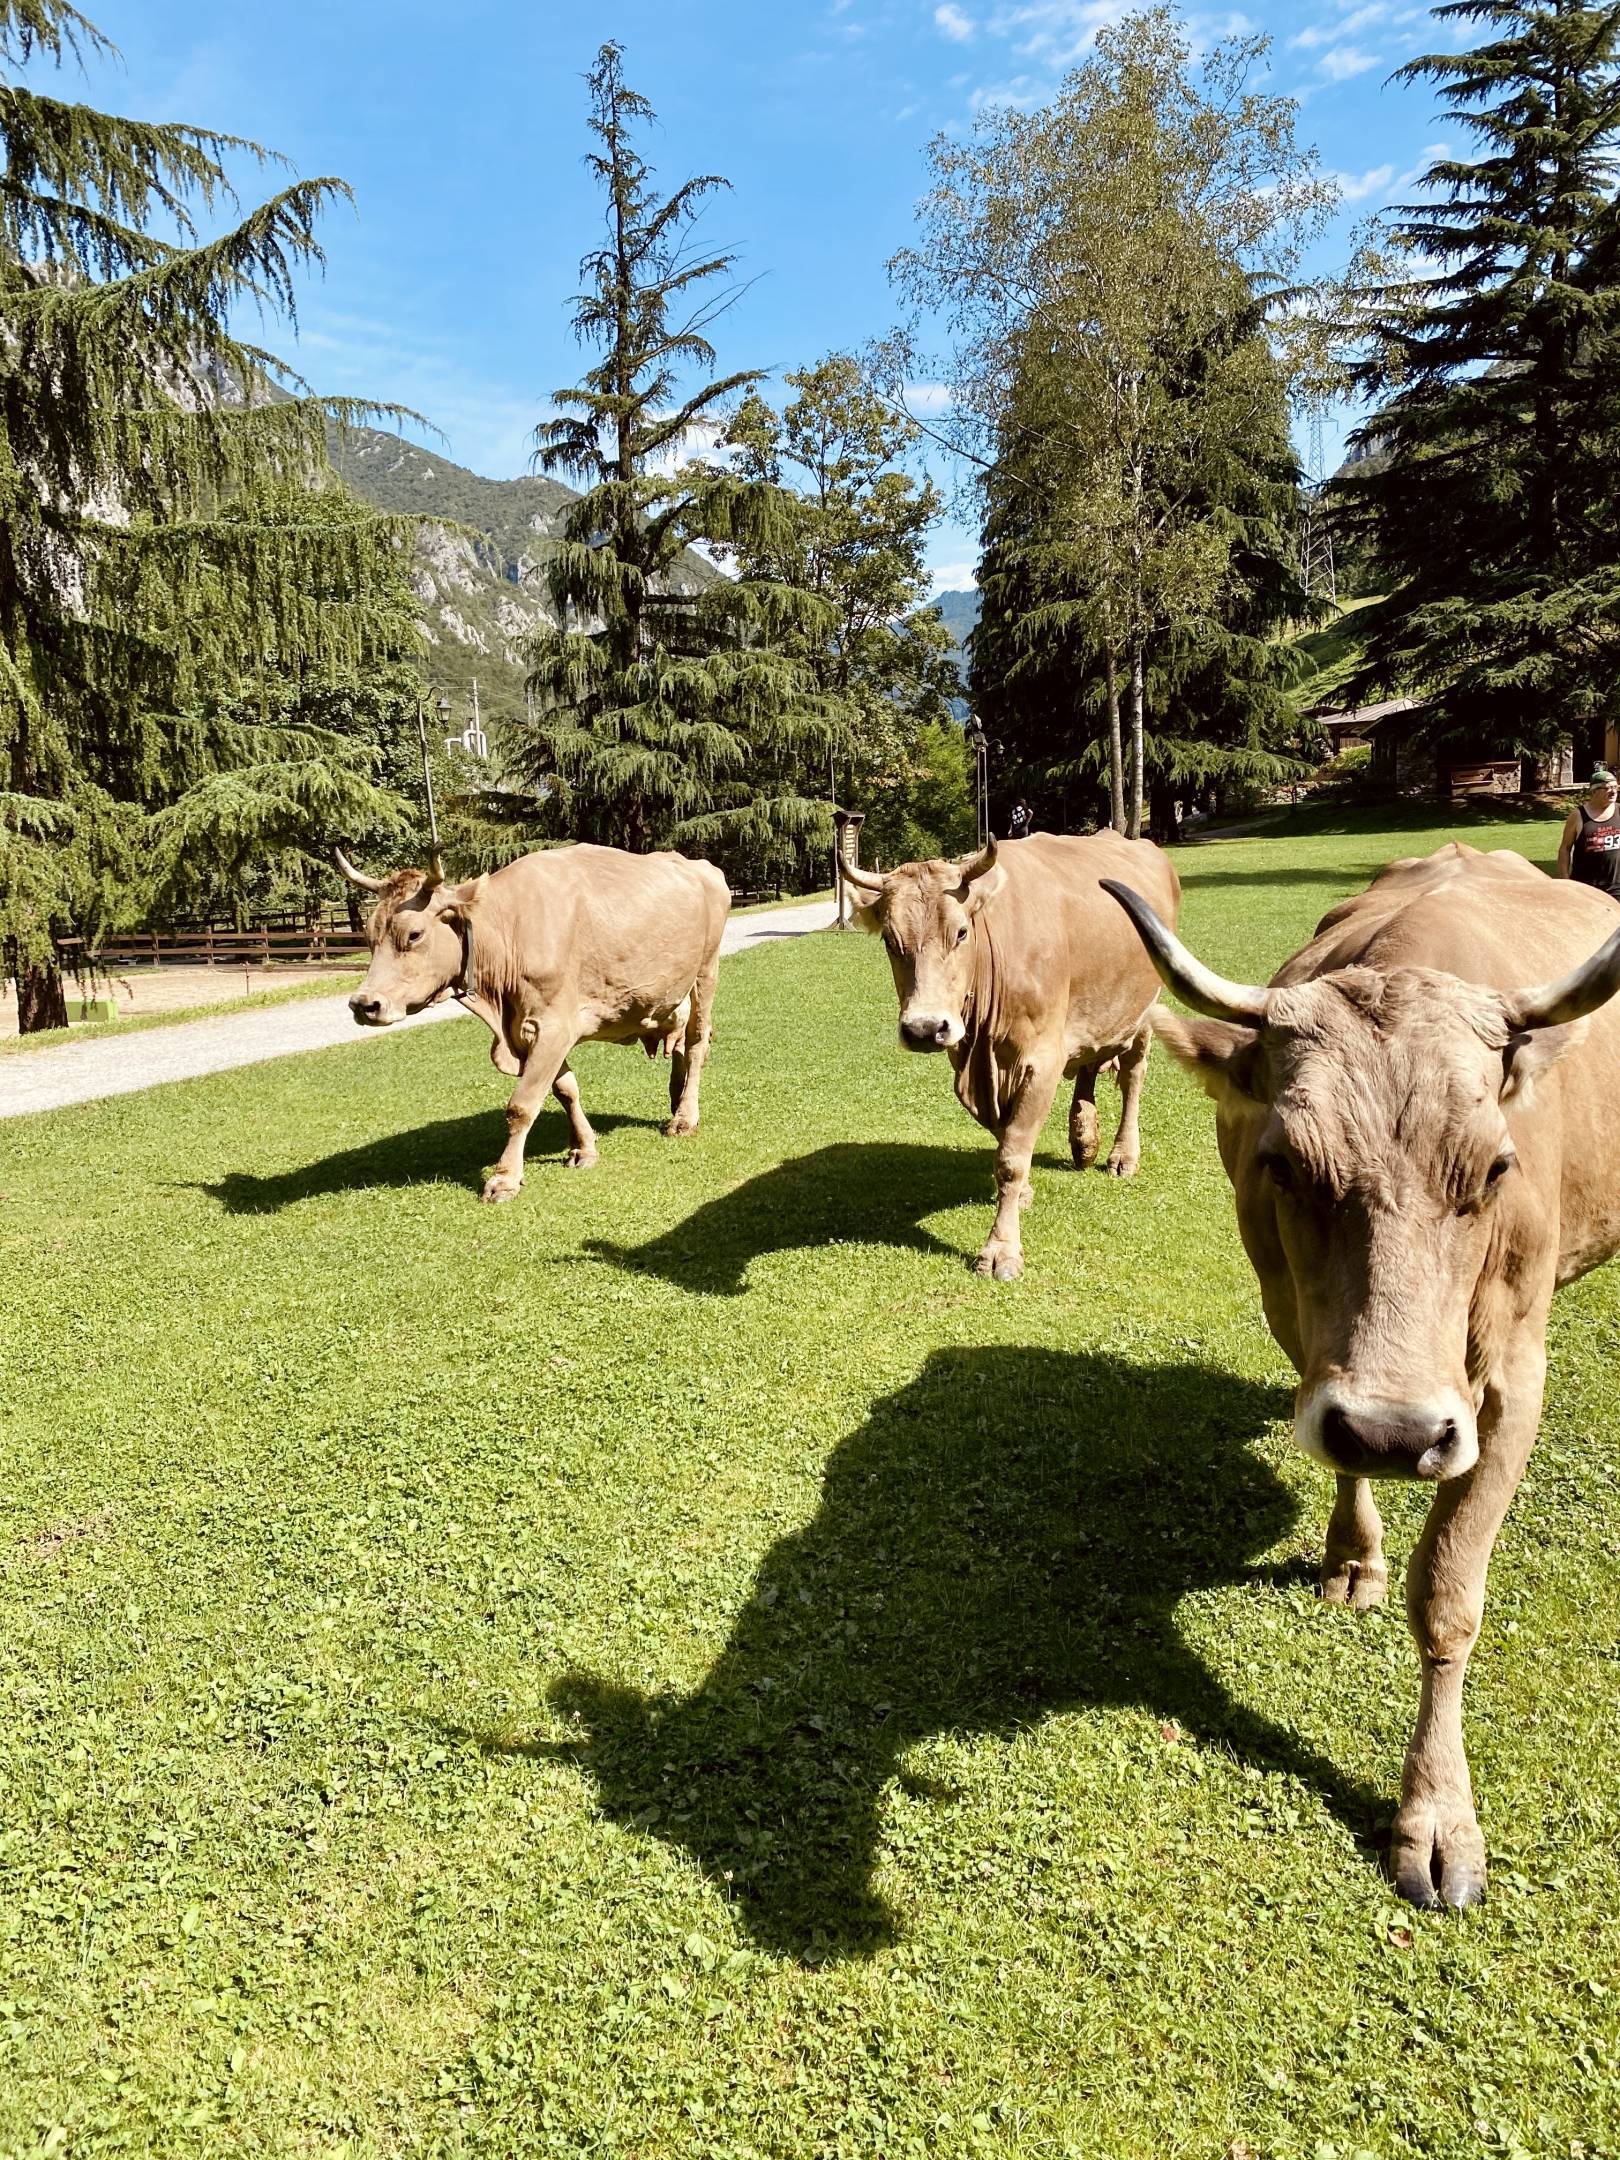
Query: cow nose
(1391, 1442)
(365, 1008)
(926, 1031)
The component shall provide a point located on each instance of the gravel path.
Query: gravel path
(81, 1072)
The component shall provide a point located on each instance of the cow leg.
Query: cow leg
(1084, 1137)
(1437, 1854)
(1353, 1570)
(1003, 1255)
(686, 1067)
(1126, 1151)
(541, 1067)
(582, 1153)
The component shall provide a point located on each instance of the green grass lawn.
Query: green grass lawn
(677, 1665)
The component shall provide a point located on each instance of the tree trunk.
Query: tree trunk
(41, 998)
(1116, 747)
(1133, 825)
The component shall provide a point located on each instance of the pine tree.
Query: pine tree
(1489, 504)
(854, 533)
(670, 707)
(1046, 674)
(1088, 258)
(140, 596)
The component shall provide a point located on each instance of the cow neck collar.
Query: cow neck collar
(467, 986)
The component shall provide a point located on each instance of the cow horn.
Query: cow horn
(976, 866)
(1195, 984)
(435, 871)
(354, 876)
(1572, 996)
(862, 880)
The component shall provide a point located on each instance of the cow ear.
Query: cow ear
(1527, 1056)
(456, 902)
(982, 888)
(1220, 1055)
(863, 909)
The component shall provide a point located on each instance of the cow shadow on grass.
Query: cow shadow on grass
(454, 1151)
(856, 1192)
(1006, 1538)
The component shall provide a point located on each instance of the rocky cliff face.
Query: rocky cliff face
(479, 598)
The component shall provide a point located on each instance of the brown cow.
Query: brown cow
(1419, 1147)
(1015, 966)
(578, 944)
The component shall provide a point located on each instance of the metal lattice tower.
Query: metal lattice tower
(1316, 540)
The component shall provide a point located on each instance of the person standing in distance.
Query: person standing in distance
(1589, 851)
(1019, 822)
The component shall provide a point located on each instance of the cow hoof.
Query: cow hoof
(1003, 1266)
(497, 1189)
(1119, 1165)
(1360, 1584)
(1437, 1859)
(680, 1128)
(579, 1158)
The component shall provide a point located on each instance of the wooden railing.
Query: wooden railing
(318, 944)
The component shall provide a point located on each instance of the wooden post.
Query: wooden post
(848, 825)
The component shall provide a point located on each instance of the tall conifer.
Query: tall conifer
(134, 615)
(1489, 500)
(669, 707)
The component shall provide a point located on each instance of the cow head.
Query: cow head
(924, 912)
(419, 934)
(1364, 1127)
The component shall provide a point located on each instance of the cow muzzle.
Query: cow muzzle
(1370, 1437)
(929, 1031)
(370, 1010)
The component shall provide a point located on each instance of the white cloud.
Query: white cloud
(951, 22)
(1056, 32)
(1022, 91)
(1384, 181)
(1316, 35)
(954, 577)
(927, 398)
(1356, 187)
(1340, 62)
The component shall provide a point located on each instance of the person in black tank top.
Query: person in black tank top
(1589, 851)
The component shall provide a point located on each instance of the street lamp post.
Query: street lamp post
(442, 708)
(979, 743)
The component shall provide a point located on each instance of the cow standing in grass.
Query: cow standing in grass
(1422, 1151)
(577, 944)
(1018, 968)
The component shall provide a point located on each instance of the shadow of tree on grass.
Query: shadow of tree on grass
(874, 1192)
(1006, 1537)
(453, 1151)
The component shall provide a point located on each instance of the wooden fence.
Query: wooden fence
(318, 944)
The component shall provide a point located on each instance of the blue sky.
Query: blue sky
(461, 132)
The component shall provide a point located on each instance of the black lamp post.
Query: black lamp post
(979, 743)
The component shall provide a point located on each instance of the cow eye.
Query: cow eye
(415, 938)
(1493, 1178)
(1280, 1171)
(962, 934)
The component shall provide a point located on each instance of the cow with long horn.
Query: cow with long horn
(1420, 1150)
(1015, 966)
(576, 944)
